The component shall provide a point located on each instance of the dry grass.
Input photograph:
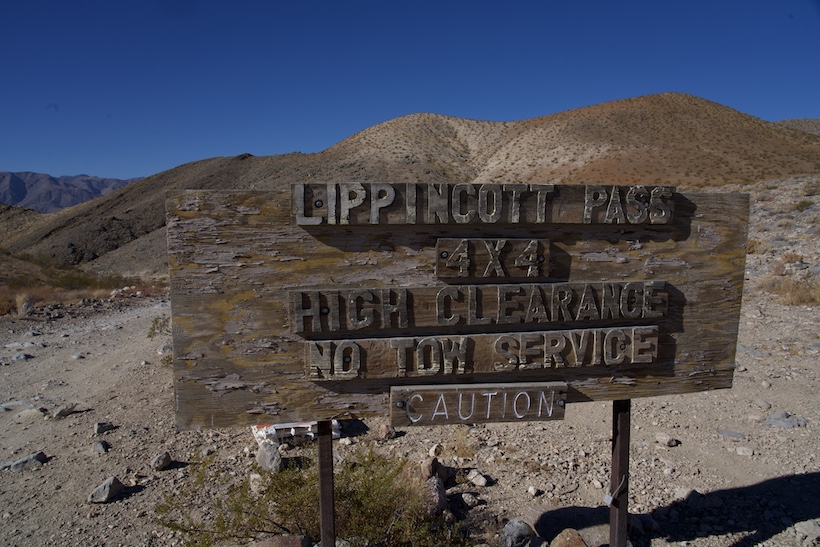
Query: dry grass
(26, 283)
(794, 292)
(754, 246)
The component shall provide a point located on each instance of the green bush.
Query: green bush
(377, 501)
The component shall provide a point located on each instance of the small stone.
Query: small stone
(268, 457)
(78, 356)
(256, 483)
(345, 441)
(781, 418)
(100, 447)
(161, 461)
(475, 477)
(568, 538)
(387, 431)
(534, 492)
(21, 357)
(436, 496)
(435, 450)
(64, 410)
(597, 484)
(102, 427)
(429, 468)
(744, 451)
(469, 500)
(32, 461)
(29, 415)
(516, 533)
(664, 439)
(762, 404)
(107, 491)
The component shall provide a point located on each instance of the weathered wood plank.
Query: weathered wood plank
(238, 258)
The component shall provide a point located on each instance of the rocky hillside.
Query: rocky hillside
(809, 125)
(670, 138)
(47, 194)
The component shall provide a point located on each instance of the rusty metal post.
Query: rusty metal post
(327, 511)
(619, 482)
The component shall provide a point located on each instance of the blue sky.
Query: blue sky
(129, 88)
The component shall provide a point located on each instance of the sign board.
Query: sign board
(315, 302)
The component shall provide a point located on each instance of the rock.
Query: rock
(268, 457)
(781, 418)
(21, 357)
(161, 461)
(516, 533)
(107, 491)
(32, 461)
(469, 500)
(534, 492)
(597, 484)
(29, 415)
(435, 450)
(735, 435)
(664, 439)
(100, 447)
(475, 477)
(64, 410)
(387, 431)
(102, 427)
(744, 451)
(165, 349)
(568, 538)
(429, 468)
(436, 496)
(256, 483)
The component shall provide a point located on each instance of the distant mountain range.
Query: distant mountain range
(46, 194)
(669, 138)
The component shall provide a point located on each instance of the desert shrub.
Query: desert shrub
(811, 187)
(754, 246)
(377, 501)
(802, 205)
(790, 257)
(160, 326)
(778, 268)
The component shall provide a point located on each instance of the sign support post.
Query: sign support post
(619, 482)
(327, 511)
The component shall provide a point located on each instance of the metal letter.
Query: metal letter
(515, 404)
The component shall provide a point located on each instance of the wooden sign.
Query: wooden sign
(313, 302)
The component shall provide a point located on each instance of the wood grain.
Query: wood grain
(237, 258)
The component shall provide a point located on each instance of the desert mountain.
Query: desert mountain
(669, 138)
(47, 194)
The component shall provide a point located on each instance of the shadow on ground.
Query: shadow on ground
(755, 513)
